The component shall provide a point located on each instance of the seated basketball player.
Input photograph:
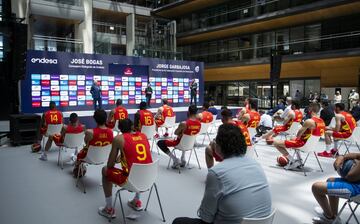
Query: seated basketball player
(294, 115)
(163, 112)
(345, 125)
(143, 117)
(327, 193)
(243, 110)
(191, 126)
(99, 136)
(129, 148)
(312, 126)
(52, 116)
(118, 113)
(205, 116)
(235, 188)
(251, 118)
(74, 127)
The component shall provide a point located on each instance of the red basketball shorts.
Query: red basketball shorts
(294, 143)
(278, 129)
(341, 134)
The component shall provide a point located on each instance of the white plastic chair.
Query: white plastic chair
(169, 122)
(142, 178)
(252, 132)
(266, 220)
(353, 139)
(150, 132)
(310, 146)
(116, 128)
(213, 123)
(187, 143)
(293, 130)
(71, 141)
(96, 155)
(204, 131)
(51, 130)
(356, 200)
(332, 123)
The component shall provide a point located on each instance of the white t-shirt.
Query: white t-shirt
(286, 112)
(266, 121)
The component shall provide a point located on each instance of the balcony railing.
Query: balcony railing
(323, 43)
(144, 3)
(163, 54)
(67, 2)
(49, 43)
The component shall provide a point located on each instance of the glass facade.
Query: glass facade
(340, 33)
(47, 43)
(109, 38)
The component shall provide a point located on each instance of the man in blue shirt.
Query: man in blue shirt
(96, 94)
(212, 109)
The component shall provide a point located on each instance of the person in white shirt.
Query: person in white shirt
(353, 98)
(337, 97)
(266, 123)
(287, 109)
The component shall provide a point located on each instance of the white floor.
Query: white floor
(33, 191)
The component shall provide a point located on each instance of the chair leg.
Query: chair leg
(173, 152)
(197, 159)
(114, 203)
(188, 163)
(122, 208)
(254, 148)
(301, 161)
(147, 202)
(317, 159)
(339, 213)
(353, 213)
(203, 139)
(158, 197)
(357, 145)
(58, 162)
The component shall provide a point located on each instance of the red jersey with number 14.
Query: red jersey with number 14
(136, 150)
(53, 117)
(120, 113)
(146, 118)
(192, 127)
(102, 137)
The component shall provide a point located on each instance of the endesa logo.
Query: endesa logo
(128, 71)
(44, 61)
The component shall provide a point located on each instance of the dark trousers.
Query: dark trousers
(184, 220)
(262, 130)
(163, 147)
(193, 97)
(98, 106)
(148, 99)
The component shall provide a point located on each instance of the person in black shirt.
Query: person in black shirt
(327, 113)
(356, 112)
(193, 92)
(148, 93)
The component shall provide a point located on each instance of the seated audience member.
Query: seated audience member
(205, 116)
(235, 188)
(356, 111)
(345, 124)
(327, 193)
(294, 115)
(116, 114)
(99, 136)
(163, 112)
(279, 106)
(327, 112)
(143, 117)
(74, 127)
(226, 118)
(265, 124)
(312, 126)
(287, 108)
(129, 147)
(212, 109)
(251, 118)
(191, 126)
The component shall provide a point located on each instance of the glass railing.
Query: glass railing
(48, 43)
(323, 43)
(143, 3)
(67, 2)
(162, 54)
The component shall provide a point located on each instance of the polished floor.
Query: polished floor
(33, 191)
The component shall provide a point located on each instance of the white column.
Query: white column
(84, 30)
(130, 34)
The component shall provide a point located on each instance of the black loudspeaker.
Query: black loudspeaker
(19, 48)
(24, 129)
(275, 66)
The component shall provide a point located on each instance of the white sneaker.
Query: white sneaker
(321, 219)
(135, 204)
(106, 212)
(43, 157)
(293, 165)
(176, 164)
(318, 210)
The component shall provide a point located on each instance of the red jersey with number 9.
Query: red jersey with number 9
(167, 111)
(53, 117)
(192, 127)
(102, 137)
(254, 119)
(207, 117)
(146, 118)
(136, 150)
(244, 131)
(120, 113)
(348, 124)
(319, 130)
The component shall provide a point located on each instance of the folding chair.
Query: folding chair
(187, 143)
(356, 200)
(150, 132)
(353, 139)
(213, 123)
(96, 155)
(266, 220)
(71, 141)
(204, 131)
(142, 178)
(169, 123)
(51, 130)
(252, 132)
(310, 146)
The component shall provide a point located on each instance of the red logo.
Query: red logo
(89, 102)
(36, 104)
(64, 103)
(128, 71)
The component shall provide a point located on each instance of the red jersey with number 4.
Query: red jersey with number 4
(136, 150)
(192, 127)
(167, 111)
(53, 117)
(254, 119)
(120, 113)
(244, 131)
(348, 124)
(101, 137)
(207, 117)
(319, 130)
(146, 118)
(74, 129)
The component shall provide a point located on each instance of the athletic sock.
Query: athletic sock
(108, 202)
(172, 156)
(328, 147)
(137, 196)
(336, 144)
